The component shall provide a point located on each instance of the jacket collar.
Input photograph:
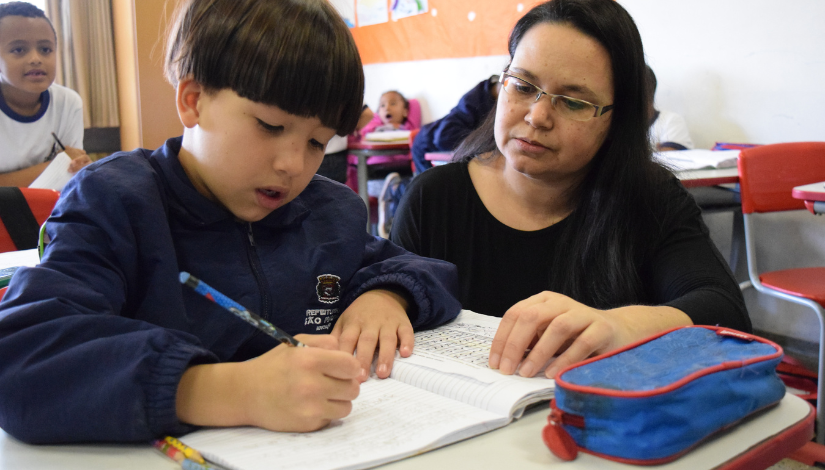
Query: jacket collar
(186, 202)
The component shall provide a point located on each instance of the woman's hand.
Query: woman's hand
(549, 323)
(376, 318)
(286, 389)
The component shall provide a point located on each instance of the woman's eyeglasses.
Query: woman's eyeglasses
(570, 108)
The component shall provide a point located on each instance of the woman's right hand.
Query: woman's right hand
(286, 389)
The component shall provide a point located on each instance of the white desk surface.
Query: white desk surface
(518, 445)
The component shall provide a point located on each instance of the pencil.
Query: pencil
(175, 453)
(210, 293)
(188, 452)
(63, 148)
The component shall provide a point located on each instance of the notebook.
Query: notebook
(56, 174)
(441, 394)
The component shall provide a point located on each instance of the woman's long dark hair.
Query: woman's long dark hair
(606, 237)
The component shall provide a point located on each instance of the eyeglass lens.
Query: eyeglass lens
(568, 107)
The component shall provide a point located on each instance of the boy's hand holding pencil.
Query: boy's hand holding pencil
(286, 389)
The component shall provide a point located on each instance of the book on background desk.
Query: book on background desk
(698, 159)
(56, 174)
(443, 393)
(388, 136)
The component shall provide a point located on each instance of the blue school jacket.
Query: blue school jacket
(445, 134)
(95, 339)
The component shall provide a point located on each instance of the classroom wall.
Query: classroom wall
(737, 70)
(147, 101)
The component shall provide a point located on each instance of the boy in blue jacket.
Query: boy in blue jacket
(101, 343)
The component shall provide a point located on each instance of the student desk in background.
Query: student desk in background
(814, 196)
(365, 149)
(755, 444)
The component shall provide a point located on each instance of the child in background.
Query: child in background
(37, 117)
(393, 110)
(100, 342)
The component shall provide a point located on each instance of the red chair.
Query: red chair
(767, 174)
(22, 212)
(3, 292)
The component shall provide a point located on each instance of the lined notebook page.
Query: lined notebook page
(389, 421)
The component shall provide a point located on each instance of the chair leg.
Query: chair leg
(820, 383)
(738, 263)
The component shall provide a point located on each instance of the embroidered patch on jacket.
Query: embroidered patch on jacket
(328, 288)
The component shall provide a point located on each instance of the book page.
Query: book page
(389, 421)
(452, 361)
(56, 175)
(461, 346)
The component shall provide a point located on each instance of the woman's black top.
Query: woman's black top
(441, 216)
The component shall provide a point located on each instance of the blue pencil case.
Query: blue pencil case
(650, 402)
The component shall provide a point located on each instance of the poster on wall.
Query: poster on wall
(372, 12)
(405, 8)
(346, 8)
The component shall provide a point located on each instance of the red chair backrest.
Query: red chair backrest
(768, 173)
(3, 292)
(41, 202)
(414, 114)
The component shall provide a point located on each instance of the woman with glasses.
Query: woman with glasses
(554, 212)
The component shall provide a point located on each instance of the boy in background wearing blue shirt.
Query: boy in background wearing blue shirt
(34, 112)
(100, 342)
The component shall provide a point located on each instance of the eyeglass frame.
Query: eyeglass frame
(599, 110)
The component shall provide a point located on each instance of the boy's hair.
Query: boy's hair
(297, 55)
(403, 98)
(26, 10)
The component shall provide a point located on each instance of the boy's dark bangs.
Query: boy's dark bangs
(297, 55)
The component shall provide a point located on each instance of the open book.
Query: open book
(697, 159)
(441, 394)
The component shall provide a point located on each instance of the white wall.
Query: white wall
(737, 70)
(437, 84)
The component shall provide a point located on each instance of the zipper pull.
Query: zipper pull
(556, 438)
(249, 234)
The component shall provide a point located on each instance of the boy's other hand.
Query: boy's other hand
(79, 159)
(376, 318)
(286, 389)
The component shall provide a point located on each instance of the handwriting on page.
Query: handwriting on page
(388, 418)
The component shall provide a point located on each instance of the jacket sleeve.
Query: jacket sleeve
(432, 284)
(75, 367)
(464, 118)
